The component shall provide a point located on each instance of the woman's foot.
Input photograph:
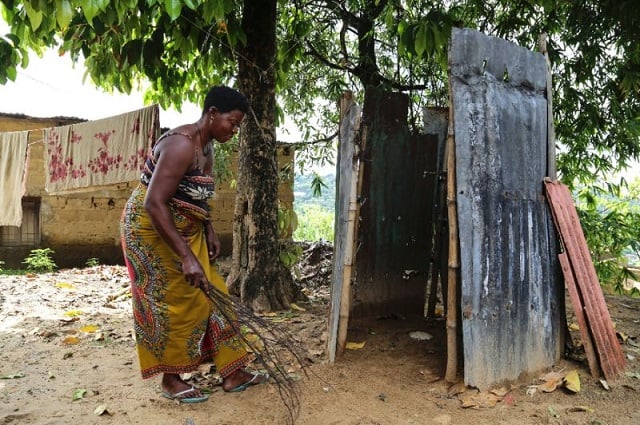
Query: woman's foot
(174, 388)
(240, 380)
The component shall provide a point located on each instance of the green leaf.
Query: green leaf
(192, 4)
(12, 73)
(64, 13)
(78, 394)
(90, 9)
(132, 51)
(14, 39)
(421, 39)
(174, 8)
(35, 16)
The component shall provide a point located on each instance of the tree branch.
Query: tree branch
(319, 141)
(325, 61)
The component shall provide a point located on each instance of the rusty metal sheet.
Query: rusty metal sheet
(587, 339)
(512, 311)
(589, 297)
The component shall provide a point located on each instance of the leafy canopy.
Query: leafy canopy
(180, 47)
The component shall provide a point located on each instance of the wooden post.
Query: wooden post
(345, 227)
(451, 373)
(551, 134)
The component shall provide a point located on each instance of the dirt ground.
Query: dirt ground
(67, 357)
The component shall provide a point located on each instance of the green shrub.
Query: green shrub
(287, 222)
(290, 254)
(610, 218)
(314, 223)
(40, 261)
(92, 262)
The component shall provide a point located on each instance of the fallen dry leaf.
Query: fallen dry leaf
(420, 335)
(622, 336)
(101, 410)
(549, 386)
(297, 307)
(89, 329)
(552, 376)
(355, 345)
(65, 285)
(456, 389)
(500, 392)
(572, 381)
(551, 381)
(71, 340)
(478, 400)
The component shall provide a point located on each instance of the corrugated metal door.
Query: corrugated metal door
(511, 290)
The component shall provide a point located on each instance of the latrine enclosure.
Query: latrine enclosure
(401, 210)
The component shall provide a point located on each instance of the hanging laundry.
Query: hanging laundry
(13, 167)
(97, 153)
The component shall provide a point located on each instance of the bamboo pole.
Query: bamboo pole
(451, 372)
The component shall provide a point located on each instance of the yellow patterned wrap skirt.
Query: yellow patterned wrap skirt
(177, 327)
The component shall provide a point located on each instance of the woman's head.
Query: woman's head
(225, 99)
(223, 111)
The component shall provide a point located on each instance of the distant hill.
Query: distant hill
(303, 194)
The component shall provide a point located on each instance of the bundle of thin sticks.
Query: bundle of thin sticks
(267, 341)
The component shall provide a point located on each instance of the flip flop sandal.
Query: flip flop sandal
(250, 382)
(176, 396)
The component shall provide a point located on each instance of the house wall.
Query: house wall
(86, 225)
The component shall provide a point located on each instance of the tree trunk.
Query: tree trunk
(257, 274)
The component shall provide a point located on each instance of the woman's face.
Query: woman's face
(226, 124)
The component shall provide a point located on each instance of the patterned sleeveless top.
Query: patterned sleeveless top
(195, 188)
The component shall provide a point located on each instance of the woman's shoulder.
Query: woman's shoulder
(179, 136)
(179, 132)
(177, 144)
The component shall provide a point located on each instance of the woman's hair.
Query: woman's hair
(225, 99)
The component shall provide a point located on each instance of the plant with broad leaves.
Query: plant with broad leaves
(40, 261)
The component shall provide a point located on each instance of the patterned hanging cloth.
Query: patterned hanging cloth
(79, 157)
(13, 166)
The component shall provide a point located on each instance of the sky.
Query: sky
(52, 86)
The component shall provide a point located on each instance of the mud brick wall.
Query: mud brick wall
(86, 225)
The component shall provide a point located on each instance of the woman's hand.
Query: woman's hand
(213, 243)
(193, 272)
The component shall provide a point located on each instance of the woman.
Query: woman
(169, 245)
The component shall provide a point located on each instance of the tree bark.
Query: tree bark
(257, 274)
